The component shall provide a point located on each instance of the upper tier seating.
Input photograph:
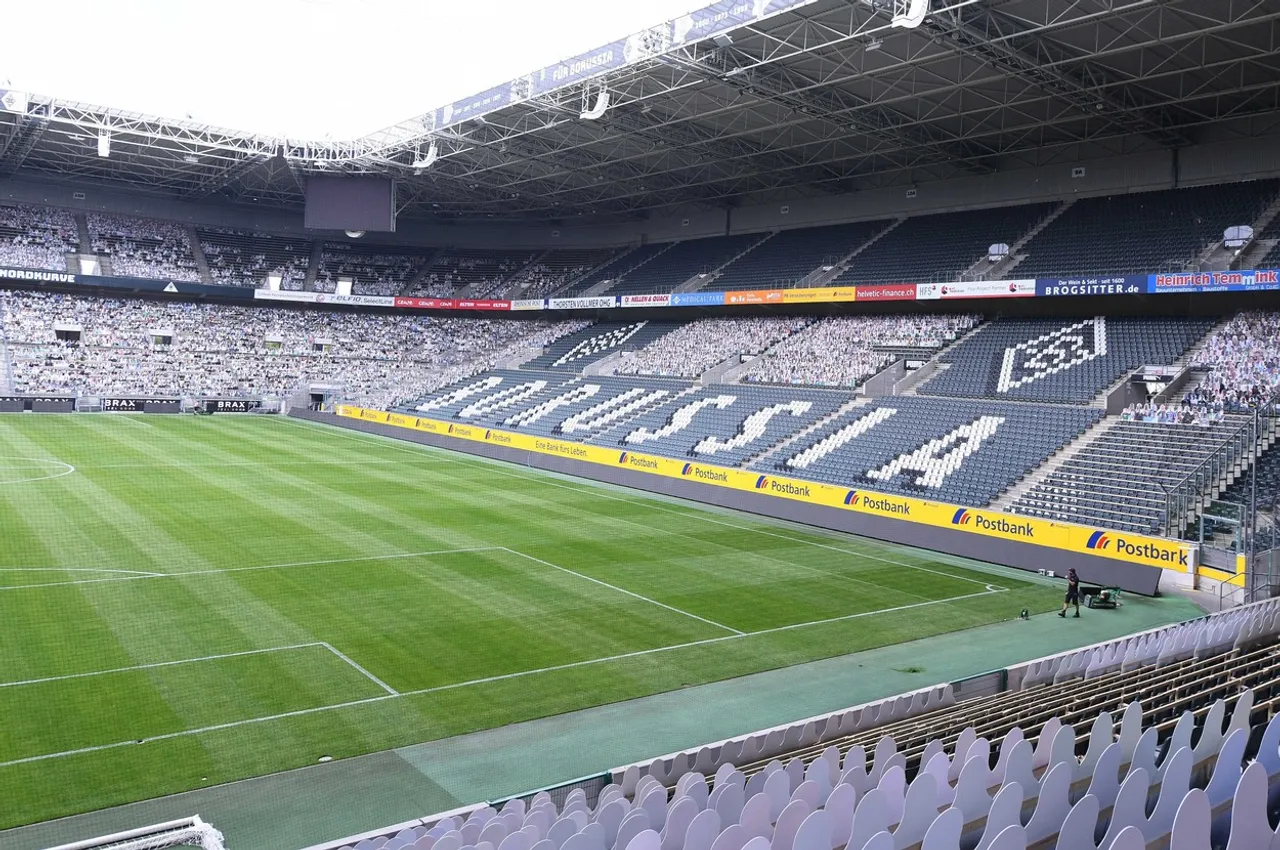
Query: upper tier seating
(692, 349)
(578, 350)
(1053, 360)
(1142, 232)
(1167, 739)
(618, 268)
(844, 351)
(1120, 479)
(36, 237)
(939, 247)
(682, 261)
(964, 452)
(724, 425)
(454, 269)
(1272, 258)
(237, 258)
(143, 247)
(376, 269)
(791, 255)
(555, 269)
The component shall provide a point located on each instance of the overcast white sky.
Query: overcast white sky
(303, 68)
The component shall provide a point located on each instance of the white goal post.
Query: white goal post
(188, 832)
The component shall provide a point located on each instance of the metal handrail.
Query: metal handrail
(1238, 443)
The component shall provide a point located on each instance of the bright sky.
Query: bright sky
(303, 68)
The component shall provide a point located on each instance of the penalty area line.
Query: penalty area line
(486, 680)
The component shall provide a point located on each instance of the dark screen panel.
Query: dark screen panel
(351, 203)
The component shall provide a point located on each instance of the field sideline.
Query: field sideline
(189, 601)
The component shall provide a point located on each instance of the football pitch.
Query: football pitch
(187, 601)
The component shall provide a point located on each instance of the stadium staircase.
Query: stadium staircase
(313, 267)
(609, 283)
(702, 281)
(984, 269)
(6, 367)
(510, 287)
(782, 445)
(197, 253)
(427, 262)
(82, 228)
(1050, 466)
(1264, 241)
(824, 276)
(612, 258)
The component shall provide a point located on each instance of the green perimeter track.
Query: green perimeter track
(205, 600)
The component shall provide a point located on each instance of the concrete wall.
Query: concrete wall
(1010, 553)
(1226, 159)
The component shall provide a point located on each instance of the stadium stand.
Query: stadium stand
(682, 261)
(221, 350)
(1144, 232)
(724, 425)
(919, 447)
(576, 351)
(1241, 360)
(36, 237)
(143, 247)
(556, 269)
(690, 350)
(844, 351)
(478, 271)
(939, 247)
(375, 269)
(547, 403)
(791, 255)
(1120, 479)
(239, 258)
(1168, 738)
(616, 269)
(1059, 360)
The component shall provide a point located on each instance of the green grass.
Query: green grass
(331, 594)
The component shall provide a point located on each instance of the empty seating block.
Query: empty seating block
(1142, 232)
(555, 269)
(237, 258)
(1059, 360)
(959, 451)
(618, 268)
(1119, 479)
(682, 261)
(575, 351)
(724, 425)
(789, 256)
(490, 391)
(940, 247)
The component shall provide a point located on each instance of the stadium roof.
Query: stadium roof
(750, 101)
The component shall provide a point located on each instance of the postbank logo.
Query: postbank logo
(686, 469)
(1098, 540)
(762, 482)
(622, 458)
(851, 498)
(962, 517)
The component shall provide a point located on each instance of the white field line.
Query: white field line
(622, 590)
(602, 492)
(486, 680)
(253, 464)
(75, 570)
(262, 567)
(164, 664)
(367, 674)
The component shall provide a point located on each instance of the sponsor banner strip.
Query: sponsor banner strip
(1134, 548)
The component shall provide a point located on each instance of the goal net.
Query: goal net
(188, 832)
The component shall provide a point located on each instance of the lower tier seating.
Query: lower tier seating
(1120, 479)
(960, 451)
(1055, 360)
